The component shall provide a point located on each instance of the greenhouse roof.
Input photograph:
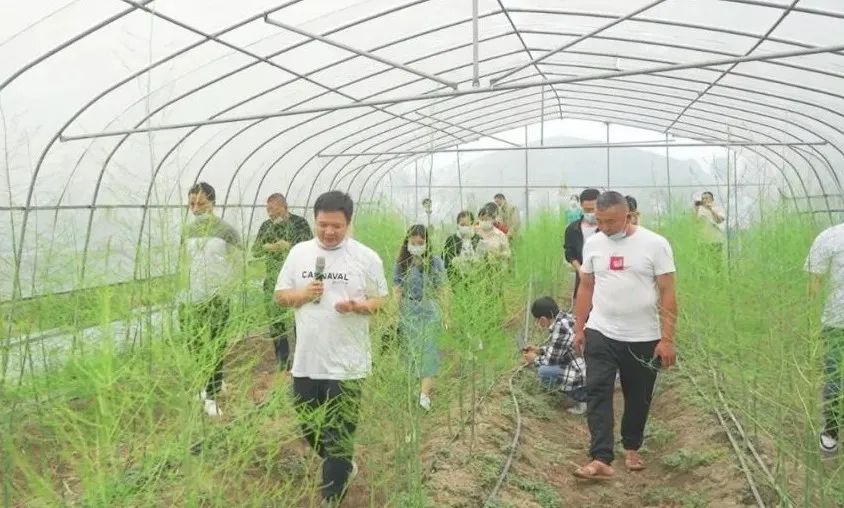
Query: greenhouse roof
(109, 97)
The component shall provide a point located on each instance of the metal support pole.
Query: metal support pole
(527, 193)
(542, 117)
(415, 189)
(668, 171)
(359, 52)
(608, 154)
(460, 182)
(476, 82)
(729, 215)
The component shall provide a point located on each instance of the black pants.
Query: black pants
(203, 326)
(328, 416)
(282, 326)
(605, 357)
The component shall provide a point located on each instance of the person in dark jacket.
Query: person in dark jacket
(276, 236)
(461, 246)
(578, 232)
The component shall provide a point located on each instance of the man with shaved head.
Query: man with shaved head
(626, 310)
(276, 236)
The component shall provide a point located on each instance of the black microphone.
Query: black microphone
(318, 271)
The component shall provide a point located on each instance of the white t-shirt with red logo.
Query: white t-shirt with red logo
(330, 345)
(626, 297)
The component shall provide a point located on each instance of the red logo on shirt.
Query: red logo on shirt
(616, 263)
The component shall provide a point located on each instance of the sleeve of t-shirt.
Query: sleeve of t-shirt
(377, 276)
(286, 277)
(588, 266)
(663, 258)
(818, 260)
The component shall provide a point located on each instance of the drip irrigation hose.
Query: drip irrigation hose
(733, 442)
(514, 445)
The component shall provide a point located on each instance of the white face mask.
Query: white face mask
(465, 230)
(589, 218)
(416, 250)
(486, 225)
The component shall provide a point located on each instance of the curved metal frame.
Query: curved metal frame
(458, 122)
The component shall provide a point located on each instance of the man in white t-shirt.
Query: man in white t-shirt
(332, 308)
(626, 311)
(826, 262)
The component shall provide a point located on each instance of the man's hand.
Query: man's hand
(344, 307)
(279, 246)
(665, 351)
(313, 291)
(529, 356)
(356, 306)
(579, 342)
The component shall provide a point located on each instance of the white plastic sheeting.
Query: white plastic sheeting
(75, 69)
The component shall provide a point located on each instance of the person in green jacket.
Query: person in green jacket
(275, 238)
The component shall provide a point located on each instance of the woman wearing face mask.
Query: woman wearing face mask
(419, 278)
(493, 245)
(460, 249)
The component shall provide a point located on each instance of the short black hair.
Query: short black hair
(499, 195)
(709, 194)
(610, 199)
(204, 188)
(335, 201)
(632, 204)
(544, 307)
(277, 196)
(426, 200)
(488, 210)
(589, 195)
(466, 213)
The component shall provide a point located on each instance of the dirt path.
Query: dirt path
(690, 464)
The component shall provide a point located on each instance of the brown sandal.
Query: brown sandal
(593, 471)
(633, 462)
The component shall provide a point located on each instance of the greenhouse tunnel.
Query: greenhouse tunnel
(111, 111)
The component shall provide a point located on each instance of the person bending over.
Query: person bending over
(557, 364)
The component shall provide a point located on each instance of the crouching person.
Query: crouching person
(557, 365)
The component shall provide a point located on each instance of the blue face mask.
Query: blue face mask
(618, 236)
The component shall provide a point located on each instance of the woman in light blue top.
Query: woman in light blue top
(419, 276)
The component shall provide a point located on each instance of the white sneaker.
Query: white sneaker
(203, 396)
(425, 401)
(828, 443)
(211, 408)
(578, 408)
(353, 473)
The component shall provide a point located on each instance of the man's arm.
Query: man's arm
(815, 286)
(569, 249)
(582, 308)
(668, 319)
(716, 215)
(293, 298)
(667, 305)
